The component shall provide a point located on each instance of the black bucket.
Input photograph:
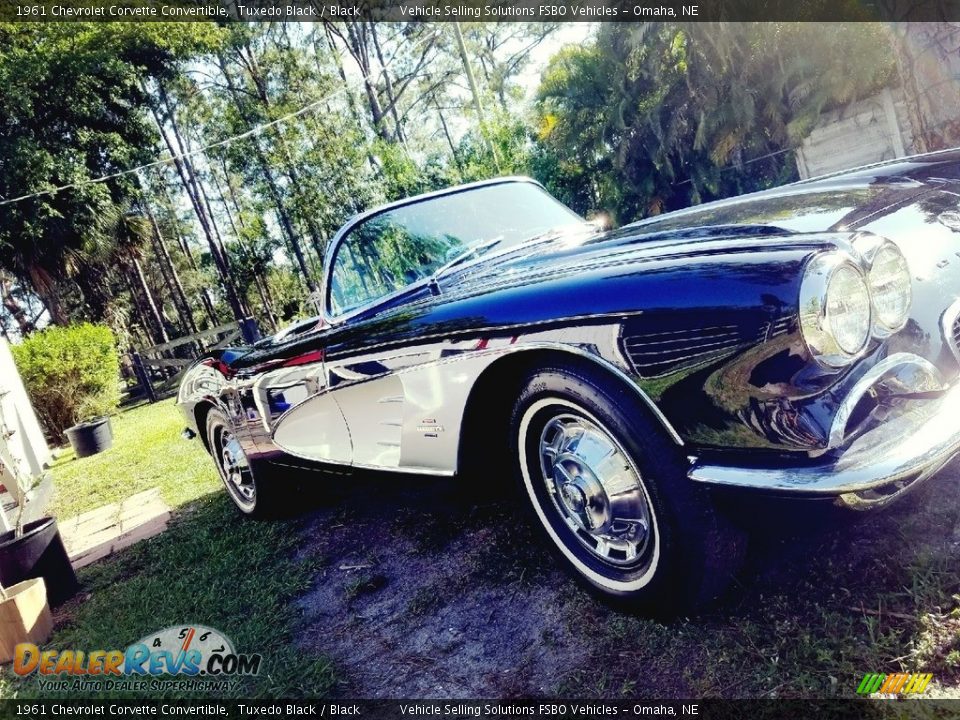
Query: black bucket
(39, 552)
(92, 437)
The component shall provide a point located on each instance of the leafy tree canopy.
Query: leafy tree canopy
(72, 109)
(652, 117)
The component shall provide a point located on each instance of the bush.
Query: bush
(71, 374)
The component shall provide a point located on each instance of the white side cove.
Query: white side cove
(403, 409)
(25, 447)
(315, 430)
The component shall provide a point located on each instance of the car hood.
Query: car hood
(891, 199)
(591, 250)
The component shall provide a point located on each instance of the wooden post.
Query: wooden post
(143, 376)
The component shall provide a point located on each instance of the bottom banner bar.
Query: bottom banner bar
(451, 709)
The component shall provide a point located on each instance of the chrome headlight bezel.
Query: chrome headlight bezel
(815, 323)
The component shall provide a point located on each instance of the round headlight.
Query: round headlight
(848, 309)
(890, 288)
(835, 309)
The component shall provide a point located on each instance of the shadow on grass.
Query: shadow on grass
(212, 568)
(441, 589)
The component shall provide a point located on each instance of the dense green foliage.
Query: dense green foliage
(71, 373)
(654, 117)
(71, 111)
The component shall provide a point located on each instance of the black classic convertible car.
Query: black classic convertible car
(800, 342)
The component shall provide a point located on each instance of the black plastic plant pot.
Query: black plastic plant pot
(92, 437)
(39, 552)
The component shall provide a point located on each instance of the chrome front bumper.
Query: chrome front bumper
(874, 468)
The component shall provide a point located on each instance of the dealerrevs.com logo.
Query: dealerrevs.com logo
(187, 652)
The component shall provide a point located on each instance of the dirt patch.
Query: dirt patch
(463, 606)
(428, 589)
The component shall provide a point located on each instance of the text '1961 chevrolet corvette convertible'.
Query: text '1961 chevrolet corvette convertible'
(800, 342)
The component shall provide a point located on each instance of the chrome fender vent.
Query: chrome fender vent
(655, 354)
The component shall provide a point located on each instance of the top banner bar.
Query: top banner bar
(480, 10)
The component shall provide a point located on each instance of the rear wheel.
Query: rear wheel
(248, 484)
(610, 491)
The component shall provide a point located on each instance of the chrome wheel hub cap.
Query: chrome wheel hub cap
(235, 469)
(596, 489)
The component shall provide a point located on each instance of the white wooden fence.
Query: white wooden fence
(868, 131)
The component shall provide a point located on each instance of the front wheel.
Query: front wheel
(610, 491)
(244, 480)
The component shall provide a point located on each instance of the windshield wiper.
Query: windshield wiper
(467, 254)
(559, 231)
(481, 247)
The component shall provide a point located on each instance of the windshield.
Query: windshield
(399, 247)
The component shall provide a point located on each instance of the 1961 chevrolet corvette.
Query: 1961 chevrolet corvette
(799, 342)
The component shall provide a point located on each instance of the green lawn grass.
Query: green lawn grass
(210, 567)
(147, 452)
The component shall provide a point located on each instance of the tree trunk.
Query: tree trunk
(446, 134)
(357, 46)
(46, 289)
(141, 327)
(475, 92)
(181, 240)
(293, 175)
(388, 84)
(275, 195)
(152, 308)
(147, 323)
(258, 281)
(184, 247)
(170, 272)
(218, 236)
(351, 98)
(189, 178)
